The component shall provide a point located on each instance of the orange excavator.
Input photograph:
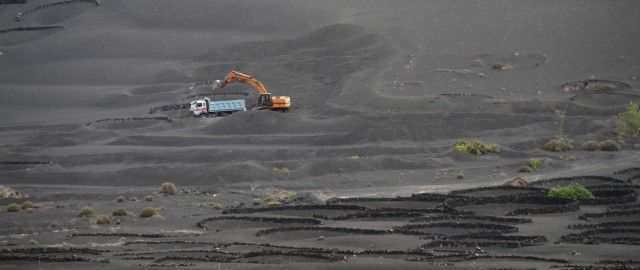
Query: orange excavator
(265, 100)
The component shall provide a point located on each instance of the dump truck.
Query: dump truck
(205, 107)
(265, 100)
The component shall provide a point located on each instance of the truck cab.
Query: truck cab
(199, 107)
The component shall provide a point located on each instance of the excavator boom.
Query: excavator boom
(234, 76)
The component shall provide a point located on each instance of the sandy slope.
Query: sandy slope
(380, 92)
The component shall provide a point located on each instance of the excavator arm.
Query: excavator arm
(235, 76)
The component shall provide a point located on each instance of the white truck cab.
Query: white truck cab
(198, 107)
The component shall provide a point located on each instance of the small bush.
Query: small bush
(609, 145)
(571, 191)
(103, 220)
(28, 205)
(475, 147)
(133, 199)
(62, 205)
(168, 188)
(517, 182)
(591, 146)
(500, 66)
(524, 169)
(535, 163)
(214, 205)
(120, 199)
(120, 212)
(149, 198)
(568, 157)
(628, 123)
(275, 196)
(558, 145)
(148, 212)
(282, 170)
(477, 62)
(14, 207)
(353, 157)
(33, 242)
(86, 212)
(460, 175)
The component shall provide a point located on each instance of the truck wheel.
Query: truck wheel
(204, 115)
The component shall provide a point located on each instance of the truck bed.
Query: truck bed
(228, 106)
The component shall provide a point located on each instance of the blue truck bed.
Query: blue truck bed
(227, 106)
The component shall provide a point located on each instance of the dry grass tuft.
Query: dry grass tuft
(214, 206)
(9, 193)
(517, 182)
(120, 212)
(558, 145)
(14, 207)
(591, 146)
(103, 220)
(168, 188)
(524, 169)
(149, 212)
(501, 66)
(86, 212)
(478, 62)
(149, 198)
(607, 145)
(28, 205)
(277, 196)
(120, 199)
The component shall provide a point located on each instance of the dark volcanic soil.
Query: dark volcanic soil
(93, 94)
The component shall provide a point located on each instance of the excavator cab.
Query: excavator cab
(264, 101)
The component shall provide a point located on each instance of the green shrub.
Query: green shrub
(353, 157)
(120, 199)
(535, 163)
(149, 198)
(571, 191)
(629, 121)
(283, 170)
(14, 207)
(119, 212)
(133, 199)
(475, 147)
(86, 212)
